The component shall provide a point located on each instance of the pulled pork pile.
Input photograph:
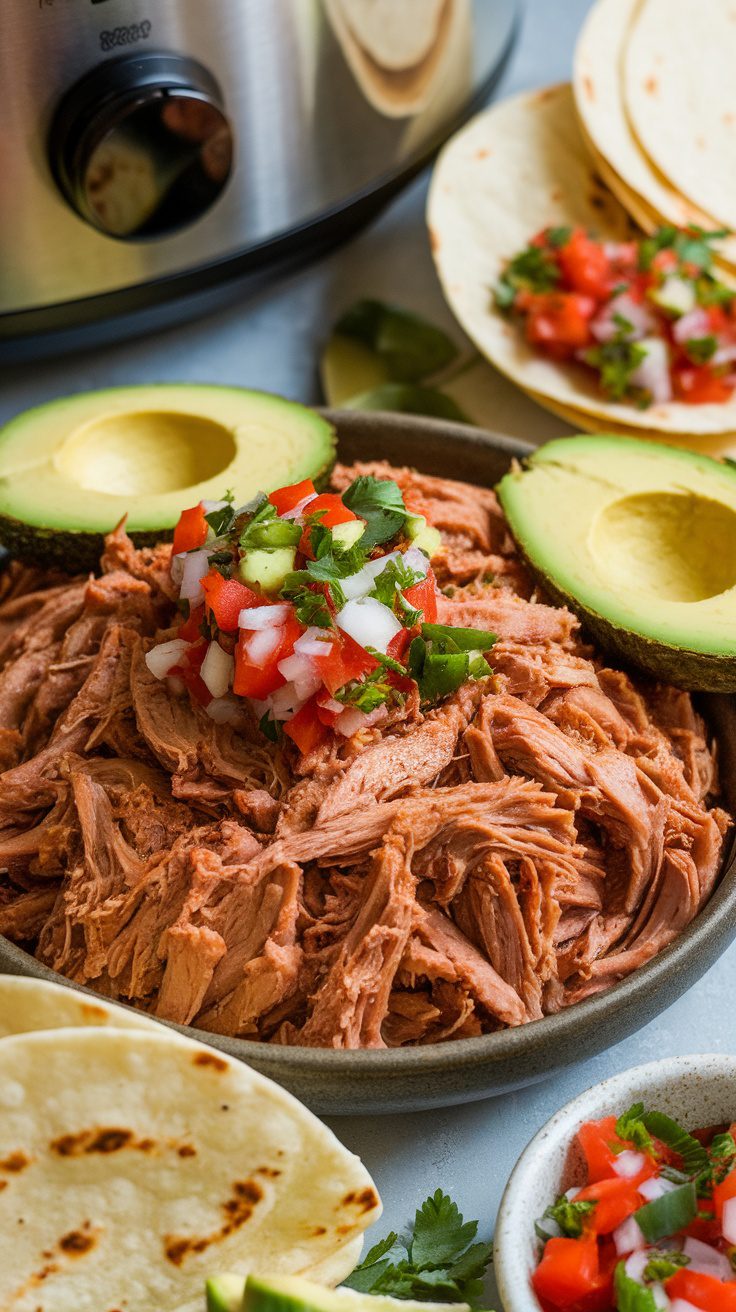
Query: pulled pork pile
(524, 845)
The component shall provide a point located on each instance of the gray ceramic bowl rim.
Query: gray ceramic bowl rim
(501, 1046)
(566, 1120)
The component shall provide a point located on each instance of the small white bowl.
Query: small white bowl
(698, 1090)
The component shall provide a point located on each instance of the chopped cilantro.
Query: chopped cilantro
(701, 349)
(222, 520)
(270, 729)
(631, 1128)
(662, 1265)
(558, 236)
(534, 269)
(616, 361)
(222, 561)
(310, 607)
(379, 502)
(568, 1216)
(437, 1262)
(370, 692)
(394, 578)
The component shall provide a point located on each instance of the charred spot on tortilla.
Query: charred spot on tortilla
(345, 1229)
(187, 1150)
(319, 1230)
(651, 85)
(237, 1210)
(270, 1172)
(210, 1059)
(78, 1242)
(94, 1013)
(15, 1163)
(104, 1139)
(365, 1199)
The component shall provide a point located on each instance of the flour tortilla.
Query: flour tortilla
(36, 1004)
(599, 99)
(519, 167)
(716, 445)
(118, 1219)
(678, 79)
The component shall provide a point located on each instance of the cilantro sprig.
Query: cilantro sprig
(567, 1216)
(534, 269)
(379, 502)
(438, 1261)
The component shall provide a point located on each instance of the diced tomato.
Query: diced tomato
(188, 671)
(225, 598)
(665, 261)
(286, 498)
(305, 728)
(559, 321)
(585, 266)
(722, 1192)
(191, 531)
(569, 1271)
(329, 506)
(719, 321)
(699, 385)
(190, 630)
(598, 1140)
(398, 644)
(423, 596)
(706, 1230)
(615, 1200)
(702, 1291)
(259, 681)
(343, 661)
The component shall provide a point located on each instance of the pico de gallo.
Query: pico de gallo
(655, 1226)
(648, 316)
(317, 608)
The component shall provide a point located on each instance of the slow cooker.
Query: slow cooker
(155, 149)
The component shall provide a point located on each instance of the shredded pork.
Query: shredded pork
(527, 843)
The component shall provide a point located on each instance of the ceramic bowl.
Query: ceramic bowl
(696, 1091)
(335, 1082)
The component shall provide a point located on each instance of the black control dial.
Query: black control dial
(141, 145)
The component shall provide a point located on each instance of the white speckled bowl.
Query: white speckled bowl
(698, 1090)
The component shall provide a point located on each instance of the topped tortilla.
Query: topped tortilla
(518, 168)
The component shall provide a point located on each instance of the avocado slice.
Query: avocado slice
(71, 469)
(639, 539)
(225, 1293)
(295, 1294)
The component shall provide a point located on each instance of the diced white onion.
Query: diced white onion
(264, 617)
(177, 567)
(416, 560)
(332, 705)
(706, 1260)
(636, 1263)
(676, 295)
(352, 720)
(604, 327)
(223, 710)
(285, 702)
(368, 622)
(195, 568)
(694, 324)
(161, 658)
(661, 1301)
(655, 1188)
(300, 671)
(217, 670)
(261, 645)
(628, 1164)
(682, 1305)
(315, 642)
(628, 1238)
(653, 374)
(297, 511)
(729, 1221)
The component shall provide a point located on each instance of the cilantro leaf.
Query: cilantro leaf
(631, 1128)
(379, 502)
(533, 269)
(694, 1156)
(437, 1262)
(616, 361)
(270, 729)
(221, 521)
(311, 608)
(662, 1265)
(394, 577)
(701, 349)
(558, 236)
(569, 1216)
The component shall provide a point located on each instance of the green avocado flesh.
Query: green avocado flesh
(295, 1294)
(71, 469)
(639, 539)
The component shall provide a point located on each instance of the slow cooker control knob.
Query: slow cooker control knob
(141, 145)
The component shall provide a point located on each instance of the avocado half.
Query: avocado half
(639, 539)
(71, 469)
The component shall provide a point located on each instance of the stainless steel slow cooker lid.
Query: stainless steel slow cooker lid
(299, 131)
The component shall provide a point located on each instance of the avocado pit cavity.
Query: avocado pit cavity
(144, 453)
(670, 546)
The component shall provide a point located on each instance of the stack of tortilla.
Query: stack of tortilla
(134, 1164)
(646, 136)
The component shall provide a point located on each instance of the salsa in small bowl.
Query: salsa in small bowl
(623, 1200)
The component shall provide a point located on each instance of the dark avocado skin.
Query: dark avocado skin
(694, 671)
(79, 552)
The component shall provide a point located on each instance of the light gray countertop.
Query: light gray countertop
(271, 341)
